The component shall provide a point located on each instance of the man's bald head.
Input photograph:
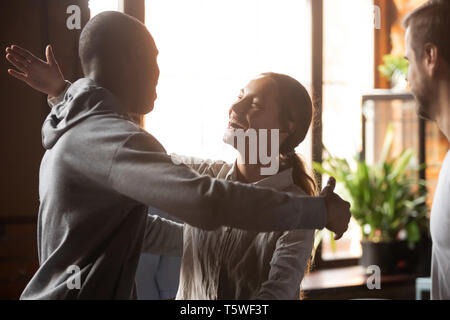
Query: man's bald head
(118, 52)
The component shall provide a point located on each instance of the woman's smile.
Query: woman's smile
(235, 123)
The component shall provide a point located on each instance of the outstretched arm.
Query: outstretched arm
(163, 237)
(153, 179)
(208, 167)
(288, 265)
(43, 76)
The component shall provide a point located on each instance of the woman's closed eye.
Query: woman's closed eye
(256, 104)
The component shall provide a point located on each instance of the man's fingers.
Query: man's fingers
(50, 56)
(329, 187)
(17, 56)
(331, 183)
(17, 75)
(348, 206)
(23, 52)
(15, 62)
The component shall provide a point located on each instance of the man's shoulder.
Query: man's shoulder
(110, 126)
(105, 135)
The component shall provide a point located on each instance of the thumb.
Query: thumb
(330, 186)
(50, 56)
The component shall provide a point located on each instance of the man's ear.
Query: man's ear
(431, 59)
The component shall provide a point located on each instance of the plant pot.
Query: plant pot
(392, 257)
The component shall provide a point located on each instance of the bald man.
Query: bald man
(100, 172)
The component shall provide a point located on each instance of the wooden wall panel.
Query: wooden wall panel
(64, 41)
(32, 24)
(317, 81)
(23, 111)
(382, 38)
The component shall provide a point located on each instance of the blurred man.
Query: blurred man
(428, 52)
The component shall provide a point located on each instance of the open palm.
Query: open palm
(44, 76)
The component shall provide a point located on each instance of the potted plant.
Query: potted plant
(395, 70)
(389, 203)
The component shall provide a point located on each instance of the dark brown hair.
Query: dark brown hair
(430, 23)
(295, 106)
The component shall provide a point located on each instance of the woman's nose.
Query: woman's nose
(239, 108)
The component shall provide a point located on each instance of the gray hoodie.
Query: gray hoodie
(97, 177)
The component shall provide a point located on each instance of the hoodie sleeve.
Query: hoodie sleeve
(208, 167)
(53, 101)
(163, 237)
(288, 265)
(153, 179)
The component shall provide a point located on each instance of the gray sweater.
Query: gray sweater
(234, 264)
(100, 172)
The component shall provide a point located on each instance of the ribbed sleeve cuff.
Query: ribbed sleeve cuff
(314, 213)
(53, 101)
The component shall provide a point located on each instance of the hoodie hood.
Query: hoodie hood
(83, 99)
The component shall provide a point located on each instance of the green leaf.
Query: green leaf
(393, 65)
(402, 163)
(386, 196)
(387, 143)
(413, 232)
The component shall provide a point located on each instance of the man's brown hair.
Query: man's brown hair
(430, 23)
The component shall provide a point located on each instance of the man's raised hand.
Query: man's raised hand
(338, 210)
(44, 76)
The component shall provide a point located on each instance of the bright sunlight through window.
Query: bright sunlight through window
(97, 6)
(208, 51)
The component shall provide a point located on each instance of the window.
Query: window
(348, 73)
(97, 6)
(209, 50)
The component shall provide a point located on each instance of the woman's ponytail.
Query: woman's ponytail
(302, 178)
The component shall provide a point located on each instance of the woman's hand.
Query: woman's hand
(44, 76)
